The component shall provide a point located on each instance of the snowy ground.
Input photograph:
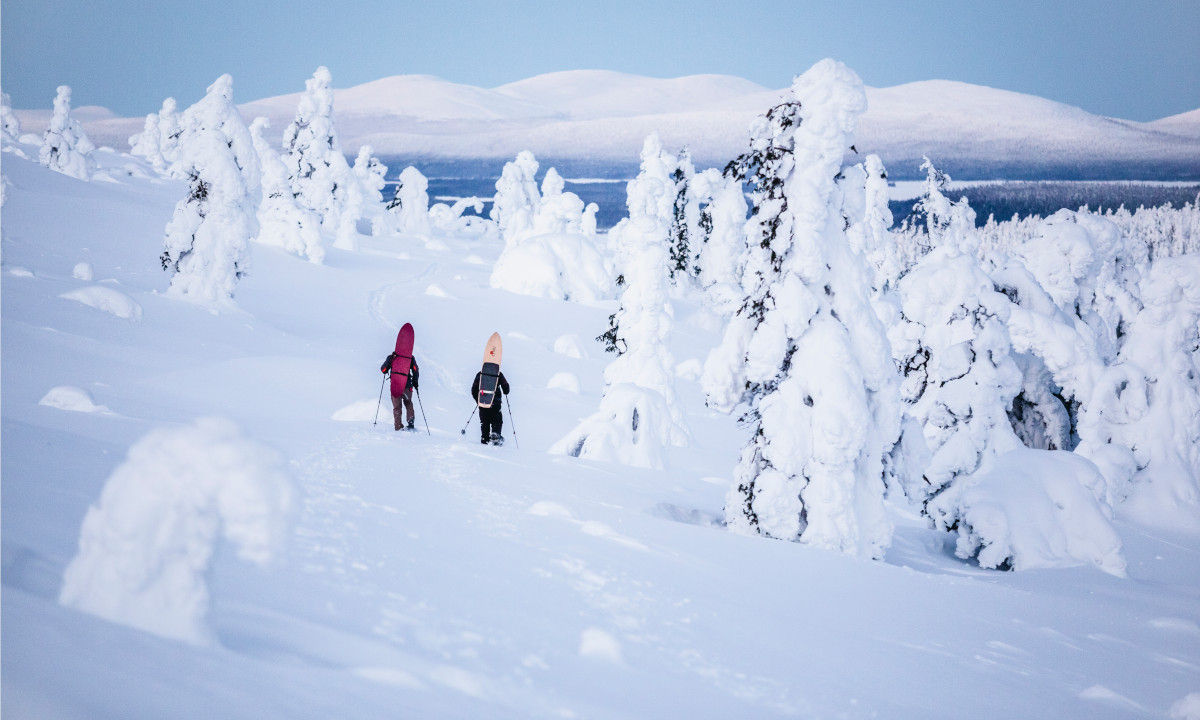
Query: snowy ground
(427, 576)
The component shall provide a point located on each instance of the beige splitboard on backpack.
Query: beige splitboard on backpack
(489, 376)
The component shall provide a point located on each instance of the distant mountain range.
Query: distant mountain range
(973, 132)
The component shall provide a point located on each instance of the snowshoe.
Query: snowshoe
(497, 439)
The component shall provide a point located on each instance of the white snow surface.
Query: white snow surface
(427, 576)
(106, 299)
(71, 399)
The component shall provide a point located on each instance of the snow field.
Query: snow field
(431, 576)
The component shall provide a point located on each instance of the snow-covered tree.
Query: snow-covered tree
(322, 180)
(10, 126)
(370, 173)
(685, 219)
(1161, 396)
(282, 221)
(805, 351)
(517, 198)
(65, 146)
(169, 130)
(637, 418)
(148, 144)
(558, 211)
(866, 209)
(546, 252)
(408, 210)
(206, 239)
(722, 255)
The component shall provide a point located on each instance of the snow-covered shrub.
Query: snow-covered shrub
(722, 256)
(558, 212)
(206, 239)
(1031, 509)
(408, 211)
(805, 351)
(71, 399)
(322, 180)
(959, 375)
(1162, 396)
(637, 418)
(65, 147)
(517, 198)
(145, 546)
(560, 267)
(282, 221)
(546, 253)
(449, 221)
(10, 126)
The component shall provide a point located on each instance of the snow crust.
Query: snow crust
(146, 544)
(71, 399)
(106, 299)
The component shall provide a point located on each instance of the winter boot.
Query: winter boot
(497, 439)
(411, 425)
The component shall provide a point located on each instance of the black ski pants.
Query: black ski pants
(491, 420)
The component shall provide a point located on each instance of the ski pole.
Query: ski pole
(514, 422)
(380, 403)
(468, 422)
(422, 406)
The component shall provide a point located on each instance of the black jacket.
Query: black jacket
(502, 385)
(414, 372)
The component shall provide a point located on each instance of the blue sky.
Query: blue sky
(1136, 60)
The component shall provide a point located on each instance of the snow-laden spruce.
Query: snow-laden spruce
(517, 198)
(10, 126)
(1011, 507)
(145, 546)
(685, 220)
(282, 221)
(370, 174)
(1162, 397)
(65, 146)
(206, 239)
(637, 418)
(549, 238)
(408, 211)
(321, 178)
(148, 144)
(805, 351)
(722, 255)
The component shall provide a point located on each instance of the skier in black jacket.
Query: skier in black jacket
(491, 421)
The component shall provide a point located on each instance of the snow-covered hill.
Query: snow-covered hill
(427, 576)
(972, 131)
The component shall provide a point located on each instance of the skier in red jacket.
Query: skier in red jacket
(403, 402)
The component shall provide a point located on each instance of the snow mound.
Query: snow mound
(569, 346)
(361, 411)
(72, 399)
(1032, 509)
(631, 426)
(1186, 708)
(20, 272)
(566, 381)
(145, 547)
(436, 290)
(599, 645)
(558, 266)
(83, 271)
(106, 299)
(689, 369)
